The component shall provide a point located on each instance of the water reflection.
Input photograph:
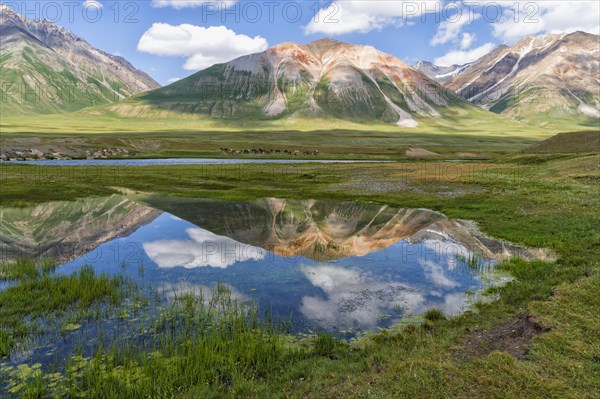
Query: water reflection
(355, 299)
(65, 230)
(322, 265)
(203, 248)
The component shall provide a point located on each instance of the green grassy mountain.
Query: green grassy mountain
(323, 79)
(44, 68)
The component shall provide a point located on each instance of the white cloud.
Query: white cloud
(202, 249)
(455, 303)
(467, 40)
(179, 4)
(92, 4)
(461, 57)
(437, 274)
(355, 298)
(202, 46)
(449, 30)
(363, 16)
(173, 80)
(542, 17)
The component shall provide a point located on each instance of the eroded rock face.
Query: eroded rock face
(66, 230)
(555, 75)
(322, 78)
(439, 73)
(327, 230)
(63, 71)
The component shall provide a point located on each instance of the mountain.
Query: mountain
(548, 81)
(46, 69)
(324, 231)
(440, 74)
(65, 230)
(324, 78)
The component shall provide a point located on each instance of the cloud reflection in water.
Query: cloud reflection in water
(203, 249)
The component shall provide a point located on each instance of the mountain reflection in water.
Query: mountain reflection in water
(322, 265)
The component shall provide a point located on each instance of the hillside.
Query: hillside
(568, 143)
(549, 81)
(323, 79)
(48, 69)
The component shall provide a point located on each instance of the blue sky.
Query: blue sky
(174, 38)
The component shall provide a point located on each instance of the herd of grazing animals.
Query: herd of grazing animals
(261, 151)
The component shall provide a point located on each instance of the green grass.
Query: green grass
(331, 144)
(146, 133)
(543, 201)
(461, 129)
(25, 268)
(203, 343)
(434, 315)
(45, 296)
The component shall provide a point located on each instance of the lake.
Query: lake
(341, 267)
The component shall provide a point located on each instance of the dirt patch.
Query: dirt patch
(470, 155)
(420, 153)
(513, 337)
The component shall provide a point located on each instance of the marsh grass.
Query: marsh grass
(434, 315)
(205, 342)
(46, 296)
(25, 268)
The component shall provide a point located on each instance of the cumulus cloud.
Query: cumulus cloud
(449, 30)
(92, 4)
(341, 17)
(542, 17)
(173, 80)
(467, 40)
(179, 4)
(202, 249)
(460, 57)
(203, 47)
(355, 298)
(437, 274)
(455, 303)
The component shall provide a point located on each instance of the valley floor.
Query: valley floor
(539, 339)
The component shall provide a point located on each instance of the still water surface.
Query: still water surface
(345, 268)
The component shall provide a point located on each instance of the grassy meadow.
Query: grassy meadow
(539, 338)
(462, 133)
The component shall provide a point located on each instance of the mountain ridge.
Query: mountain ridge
(545, 80)
(48, 69)
(323, 77)
(439, 73)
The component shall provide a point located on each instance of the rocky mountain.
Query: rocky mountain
(323, 78)
(325, 231)
(438, 73)
(65, 230)
(46, 68)
(548, 80)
